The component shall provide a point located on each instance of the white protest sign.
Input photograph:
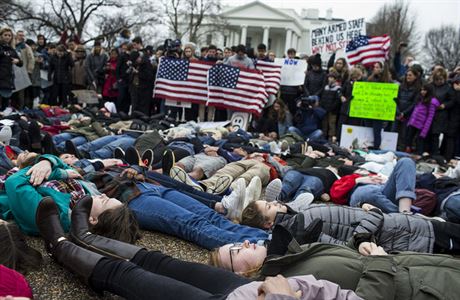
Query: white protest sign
(329, 38)
(21, 78)
(178, 104)
(86, 96)
(364, 137)
(292, 71)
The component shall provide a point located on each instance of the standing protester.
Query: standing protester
(405, 102)
(262, 53)
(380, 74)
(330, 100)
(142, 77)
(95, 64)
(123, 64)
(315, 79)
(421, 118)
(27, 56)
(445, 94)
(79, 77)
(110, 90)
(33, 92)
(289, 93)
(59, 73)
(8, 58)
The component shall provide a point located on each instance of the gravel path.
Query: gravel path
(54, 282)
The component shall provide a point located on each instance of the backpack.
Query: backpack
(425, 200)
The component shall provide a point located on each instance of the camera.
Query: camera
(172, 47)
(307, 102)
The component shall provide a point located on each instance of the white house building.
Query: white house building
(278, 28)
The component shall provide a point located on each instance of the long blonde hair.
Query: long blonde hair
(214, 260)
(6, 29)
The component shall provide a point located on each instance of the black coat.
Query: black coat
(6, 67)
(314, 83)
(445, 95)
(407, 97)
(60, 69)
(330, 98)
(454, 116)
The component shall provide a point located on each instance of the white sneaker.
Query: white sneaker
(305, 198)
(274, 148)
(234, 202)
(273, 190)
(253, 191)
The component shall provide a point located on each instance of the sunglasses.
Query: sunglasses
(233, 250)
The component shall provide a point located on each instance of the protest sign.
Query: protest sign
(21, 78)
(373, 100)
(329, 38)
(363, 137)
(86, 96)
(178, 104)
(292, 71)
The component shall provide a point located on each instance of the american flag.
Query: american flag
(237, 89)
(368, 50)
(272, 75)
(182, 80)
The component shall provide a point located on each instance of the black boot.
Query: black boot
(48, 145)
(80, 235)
(78, 260)
(35, 137)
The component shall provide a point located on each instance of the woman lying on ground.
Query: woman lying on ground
(372, 273)
(135, 273)
(128, 199)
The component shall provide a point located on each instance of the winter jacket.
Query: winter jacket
(341, 189)
(110, 89)
(94, 67)
(445, 95)
(454, 116)
(407, 96)
(330, 98)
(79, 73)
(400, 276)
(60, 69)
(422, 116)
(92, 132)
(6, 67)
(308, 120)
(394, 232)
(27, 56)
(122, 68)
(314, 82)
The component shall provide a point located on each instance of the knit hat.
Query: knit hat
(13, 284)
(315, 60)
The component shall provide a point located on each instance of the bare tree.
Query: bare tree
(442, 45)
(396, 20)
(194, 18)
(82, 16)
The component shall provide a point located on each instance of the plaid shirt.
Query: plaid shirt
(68, 186)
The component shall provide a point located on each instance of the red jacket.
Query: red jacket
(340, 190)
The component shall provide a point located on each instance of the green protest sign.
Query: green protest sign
(373, 100)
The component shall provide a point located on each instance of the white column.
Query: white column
(288, 40)
(293, 40)
(244, 33)
(265, 36)
(297, 43)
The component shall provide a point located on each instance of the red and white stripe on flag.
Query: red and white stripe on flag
(368, 50)
(181, 80)
(244, 92)
(272, 75)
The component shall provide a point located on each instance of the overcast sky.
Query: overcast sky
(430, 13)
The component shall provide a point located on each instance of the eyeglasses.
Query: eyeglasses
(234, 249)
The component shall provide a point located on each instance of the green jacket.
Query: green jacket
(23, 198)
(91, 132)
(406, 275)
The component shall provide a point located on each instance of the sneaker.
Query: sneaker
(177, 173)
(168, 161)
(274, 148)
(132, 156)
(222, 184)
(35, 137)
(147, 158)
(233, 203)
(48, 145)
(253, 191)
(72, 149)
(118, 153)
(5, 135)
(304, 199)
(284, 145)
(273, 190)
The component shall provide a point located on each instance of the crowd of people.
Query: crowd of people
(285, 211)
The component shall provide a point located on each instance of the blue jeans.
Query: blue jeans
(312, 136)
(296, 183)
(60, 139)
(207, 199)
(103, 147)
(171, 212)
(401, 184)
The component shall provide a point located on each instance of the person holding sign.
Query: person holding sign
(380, 74)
